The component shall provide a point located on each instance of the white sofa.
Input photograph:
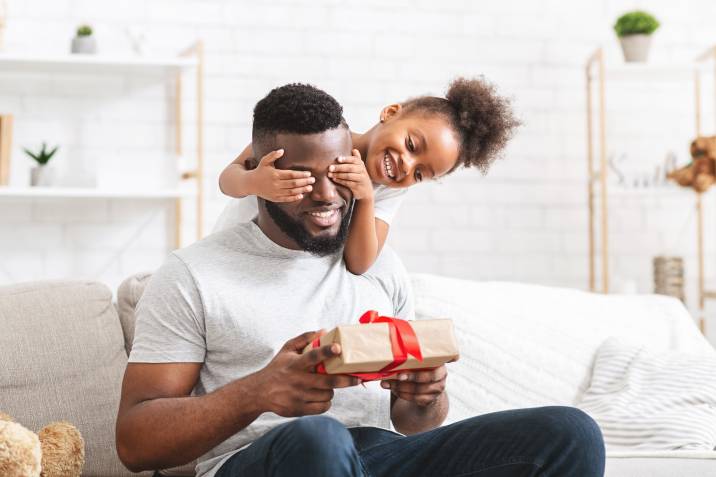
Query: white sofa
(528, 345)
(521, 346)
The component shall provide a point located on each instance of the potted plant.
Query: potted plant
(84, 42)
(634, 30)
(41, 175)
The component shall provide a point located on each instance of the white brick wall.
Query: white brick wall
(525, 221)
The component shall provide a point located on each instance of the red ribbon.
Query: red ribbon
(403, 343)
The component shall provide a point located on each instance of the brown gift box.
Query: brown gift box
(365, 348)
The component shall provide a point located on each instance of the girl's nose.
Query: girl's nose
(407, 163)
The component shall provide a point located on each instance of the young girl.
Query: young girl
(421, 139)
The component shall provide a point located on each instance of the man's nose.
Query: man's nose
(324, 189)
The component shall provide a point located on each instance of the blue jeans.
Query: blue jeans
(546, 441)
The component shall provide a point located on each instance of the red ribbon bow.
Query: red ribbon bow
(403, 343)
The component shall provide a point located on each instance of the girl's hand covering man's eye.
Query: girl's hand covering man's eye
(351, 172)
(279, 185)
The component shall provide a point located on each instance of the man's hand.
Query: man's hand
(420, 387)
(288, 385)
(278, 185)
(351, 172)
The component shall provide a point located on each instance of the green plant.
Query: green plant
(636, 22)
(44, 156)
(84, 30)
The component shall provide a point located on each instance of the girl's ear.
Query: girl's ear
(389, 111)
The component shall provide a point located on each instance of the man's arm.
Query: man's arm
(418, 402)
(160, 425)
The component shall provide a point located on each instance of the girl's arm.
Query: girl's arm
(366, 237)
(367, 234)
(234, 179)
(244, 176)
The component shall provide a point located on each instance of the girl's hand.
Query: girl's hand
(351, 172)
(278, 185)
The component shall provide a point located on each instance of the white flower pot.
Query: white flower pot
(635, 47)
(42, 176)
(84, 45)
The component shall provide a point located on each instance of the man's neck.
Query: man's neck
(273, 232)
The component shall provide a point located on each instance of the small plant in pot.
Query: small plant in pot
(634, 30)
(84, 42)
(41, 175)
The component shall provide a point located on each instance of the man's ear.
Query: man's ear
(250, 163)
(389, 112)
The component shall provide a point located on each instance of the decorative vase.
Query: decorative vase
(669, 276)
(41, 176)
(635, 47)
(84, 45)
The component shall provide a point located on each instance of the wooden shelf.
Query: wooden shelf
(95, 64)
(90, 193)
(652, 71)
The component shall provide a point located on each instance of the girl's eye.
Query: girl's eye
(418, 175)
(411, 146)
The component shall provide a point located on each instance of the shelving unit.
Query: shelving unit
(598, 71)
(164, 69)
(86, 193)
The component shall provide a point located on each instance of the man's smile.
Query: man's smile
(324, 217)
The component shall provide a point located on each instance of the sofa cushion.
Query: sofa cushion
(653, 401)
(62, 357)
(128, 295)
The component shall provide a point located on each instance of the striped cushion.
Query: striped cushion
(653, 401)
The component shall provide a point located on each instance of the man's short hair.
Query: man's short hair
(294, 109)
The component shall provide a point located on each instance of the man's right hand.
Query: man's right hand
(277, 185)
(288, 385)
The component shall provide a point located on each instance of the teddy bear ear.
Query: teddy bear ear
(5, 417)
(63, 450)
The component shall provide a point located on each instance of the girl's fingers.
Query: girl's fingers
(293, 183)
(271, 157)
(346, 168)
(344, 183)
(347, 176)
(298, 190)
(348, 159)
(288, 198)
(289, 174)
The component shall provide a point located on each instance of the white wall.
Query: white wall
(526, 221)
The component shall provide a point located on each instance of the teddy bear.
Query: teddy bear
(58, 450)
(701, 172)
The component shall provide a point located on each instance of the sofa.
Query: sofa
(64, 345)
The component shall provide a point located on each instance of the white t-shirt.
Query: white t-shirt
(386, 204)
(233, 299)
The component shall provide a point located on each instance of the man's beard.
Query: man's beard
(320, 246)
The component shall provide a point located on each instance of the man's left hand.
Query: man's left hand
(421, 387)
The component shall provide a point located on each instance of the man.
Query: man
(210, 376)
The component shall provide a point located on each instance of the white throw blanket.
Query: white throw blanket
(646, 400)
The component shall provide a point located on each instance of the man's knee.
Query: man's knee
(575, 425)
(578, 436)
(318, 435)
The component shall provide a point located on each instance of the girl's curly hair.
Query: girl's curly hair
(483, 120)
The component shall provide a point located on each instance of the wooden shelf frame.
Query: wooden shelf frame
(598, 176)
(196, 174)
(708, 55)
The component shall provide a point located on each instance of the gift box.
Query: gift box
(381, 346)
